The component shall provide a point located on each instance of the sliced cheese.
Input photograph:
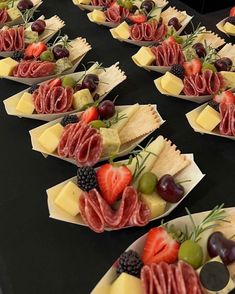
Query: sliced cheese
(26, 104)
(229, 28)
(144, 56)
(156, 204)
(50, 138)
(96, 16)
(122, 31)
(110, 141)
(7, 66)
(86, 2)
(126, 284)
(229, 77)
(209, 118)
(172, 84)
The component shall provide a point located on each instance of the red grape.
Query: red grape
(39, 26)
(106, 109)
(24, 4)
(174, 22)
(90, 82)
(60, 52)
(147, 5)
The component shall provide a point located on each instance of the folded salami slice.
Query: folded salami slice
(3, 16)
(34, 69)
(227, 124)
(148, 31)
(101, 2)
(113, 15)
(12, 39)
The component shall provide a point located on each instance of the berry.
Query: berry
(130, 262)
(128, 21)
(133, 9)
(69, 119)
(38, 26)
(34, 50)
(231, 19)
(174, 22)
(18, 55)
(33, 88)
(138, 18)
(90, 114)
(214, 104)
(86, 178)
(112, 181)
(160, 246)
(232, 11)
(177, 70)
(191, 252)
(192, 67)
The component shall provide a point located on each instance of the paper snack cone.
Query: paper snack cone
(191, 172)
(124, 149)
(78, 49)
(220, 27)
(192, 117)
(53, 25)
(104, 285)
(109, 78)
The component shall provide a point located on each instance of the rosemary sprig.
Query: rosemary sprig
(211, 53)
(28, 15)
(115, 119)
(191, 37)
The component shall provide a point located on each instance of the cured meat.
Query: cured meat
(227, 124)
(116, 14)
(168, 53)
(206, 83)
(3, 16)
(98, 214)
(164, 278)
(81, 142)
(101, 2)
(52, 99)
(34, 69)
(12, 39)
(148, 31)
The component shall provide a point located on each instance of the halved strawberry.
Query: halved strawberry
(160, 246)
(112, 181)
(55, 82)
(226, 97)
(232, 11)
(90, 114)
(35, 50)
(114, 4)
(192, 67)
(137, 18)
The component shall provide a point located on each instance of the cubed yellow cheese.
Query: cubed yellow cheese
(229, 28)
(68, 198)
(122, 31)
(50, 138)
(82, 98)
(7, 66)
(172, 84)
(126, 284)
(97, 16)
(229, 78)
(25, 104)
(110, 141)
(156, 204)
(209, 118)
(144, 56)
(14, 13)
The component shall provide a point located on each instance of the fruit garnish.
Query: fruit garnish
(191, 37)
(218, 244)
(24, 5)
(112, 180)
(199, 49)
(90, 114)
(60, 47)
(35, 50)
(178, 70)
(125, 3)
(226, 97)
(138, 18)
(192, 67)
(18, 55)
(147, 6)
(174, 22)
(192, 253)
(97, 124)
(208, 66)
(90, 82)
(47, 56)
(147, 183)
(68, 81)
(160, 246)
(38, 26)
(69, 119)
(223, 64)
(33, 88)
(114, 4)
(129, 262)
(232, 11)
(106, 109)
(86, 178)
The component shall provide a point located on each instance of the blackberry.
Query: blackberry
(214, 104)
(69, 119)
(18, 55)
(86, 178)
(128, 21)
(133, 9)
(177, 70)
(33, 88)
(231, 19)
(130, 262)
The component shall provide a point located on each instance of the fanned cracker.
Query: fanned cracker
(53, 25)
(77, 48)
(144, 121)
(110, 78)
(170, 161)
(228, 51)
(211, 39)
(173, 12)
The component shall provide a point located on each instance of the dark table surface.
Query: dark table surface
(39, 255)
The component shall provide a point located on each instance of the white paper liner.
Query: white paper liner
(192, 116)
(103, 286)
(220, 27)
(112, 75)
(19, 20)
(124, 149)
(85, 47)
(54, 24)
(191, 172)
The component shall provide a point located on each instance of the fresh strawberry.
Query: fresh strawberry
(55, 82)
(112, 181)
(114, 5)
(232, 11)
(137, 18)
(90, 114)
(160, 246)
(226, 97)
(171, 39)
(192, 67)
(35, 50)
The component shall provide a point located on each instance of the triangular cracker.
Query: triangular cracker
(53, 24)
(228, 51)
(144, 121)
(211, 39)
(170, 161)
(172, 12)
(77, 48)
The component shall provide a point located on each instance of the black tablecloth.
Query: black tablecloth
(39, 255)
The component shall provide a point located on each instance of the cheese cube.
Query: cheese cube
(81, 98)
(7, 66)
(14, 13)
(209, 118)
(126, 284)
(144, 56)
(50, 138)
(172, 84)
(122, 31)
(68, 198)
(156, 204)
(110, 141)
(229, 28)
(25, 104)
(97, 16)
(229, 78)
